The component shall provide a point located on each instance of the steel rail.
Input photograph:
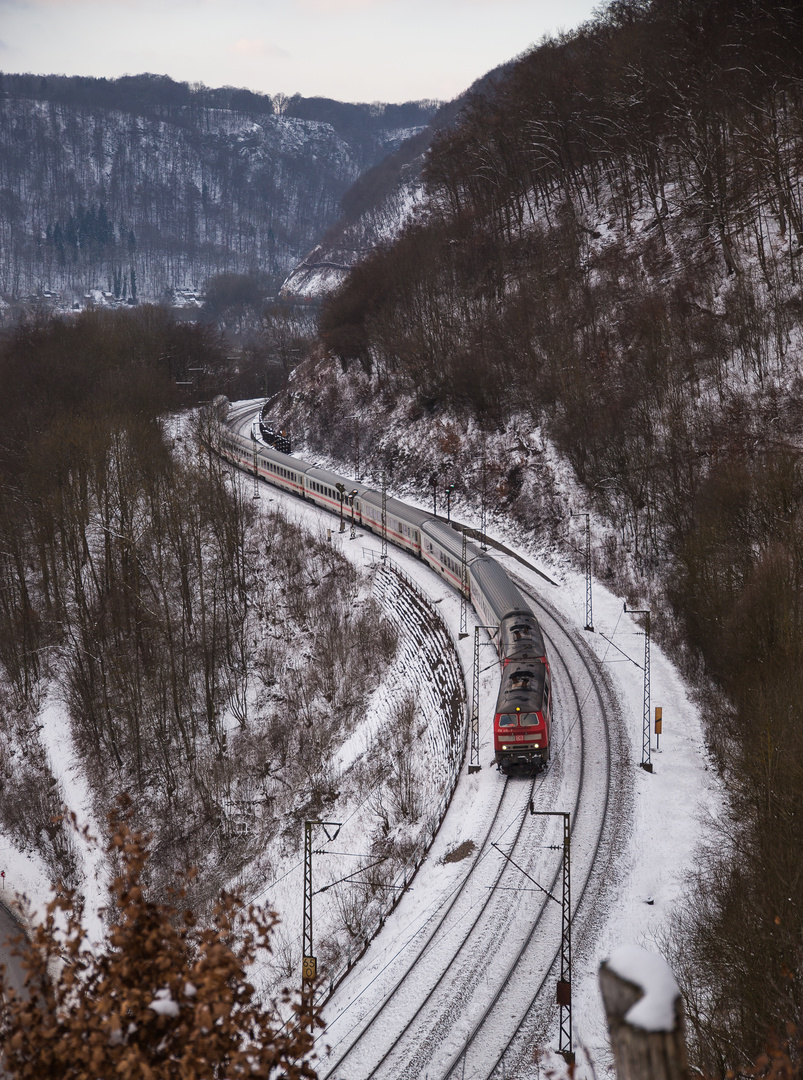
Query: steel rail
(525, 1018)
(580, 895)
(484, 850)
(556, 661)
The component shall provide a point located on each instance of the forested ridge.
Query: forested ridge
(609, 253)
(140, 186)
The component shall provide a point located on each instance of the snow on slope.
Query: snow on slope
(670, 806)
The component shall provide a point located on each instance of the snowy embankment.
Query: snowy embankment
(638, 887)
(631, 894)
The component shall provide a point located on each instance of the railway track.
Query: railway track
(509, 808)
(493, 978)
(519, 1014)
(478, 992)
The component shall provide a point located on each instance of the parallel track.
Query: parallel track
(372, 1030)
(492, 1039)
(495, 1028)
(588, 712)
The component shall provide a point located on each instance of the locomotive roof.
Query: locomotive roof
(496, 586)
(520, 634)
(522, 686)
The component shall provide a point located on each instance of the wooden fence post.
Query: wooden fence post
(644, 1011)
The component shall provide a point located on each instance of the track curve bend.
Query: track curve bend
(472, 985)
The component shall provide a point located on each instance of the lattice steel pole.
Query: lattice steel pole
(474, 758)
(564, 989)
(484, 492)
(589, 614)
(564, 993)
(646, 762)
(309, 963)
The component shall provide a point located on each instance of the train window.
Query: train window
(507, 719)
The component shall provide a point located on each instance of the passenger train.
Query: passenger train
(523, 715)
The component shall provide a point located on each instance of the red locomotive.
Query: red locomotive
(523, 715)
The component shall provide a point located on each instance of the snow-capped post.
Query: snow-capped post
(644, 1011)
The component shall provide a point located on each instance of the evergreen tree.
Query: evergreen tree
(105, 233)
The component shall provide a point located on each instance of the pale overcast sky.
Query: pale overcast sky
(351, 50)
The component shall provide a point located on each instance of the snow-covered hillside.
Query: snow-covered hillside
(143, 201)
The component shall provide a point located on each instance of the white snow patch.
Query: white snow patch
(163, 1004)
(655, 1011)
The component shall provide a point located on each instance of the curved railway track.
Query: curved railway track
(477, 991)
(490, 988)
(439, 927)
(526, 994)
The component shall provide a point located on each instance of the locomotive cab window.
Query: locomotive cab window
(508, 719)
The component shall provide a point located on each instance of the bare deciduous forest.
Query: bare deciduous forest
(209, 657)
(611, 253)
(141, 185)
